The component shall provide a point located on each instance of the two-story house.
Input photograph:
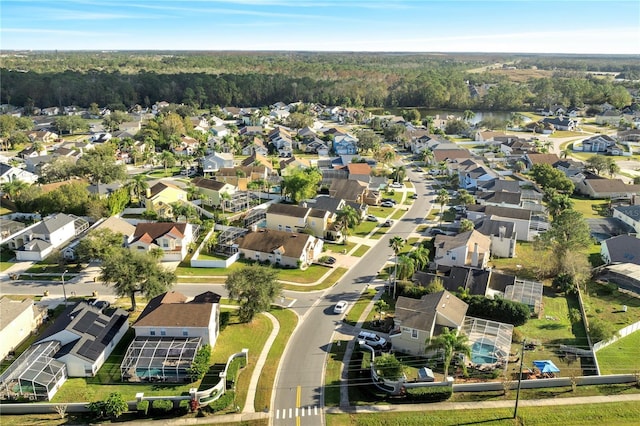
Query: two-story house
(469, 248)
(629, 215)
(172, 238)
(18, 319)
(160, 196)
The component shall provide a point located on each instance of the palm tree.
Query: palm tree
(138, 184)
(565, 153)
(399, 173)
(13, 188)
(396, 243)
(464, 198)
(468, 115)
(168, 160)
(427, 156)
(348, 218)
(406, 267)
(442, 199)
(612, 167)
(420, 257)
(380, 306)
(449, 343)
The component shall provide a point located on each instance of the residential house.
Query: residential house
(254, 145)
(456, 155)
(9, 174)
(521, 218)
(291, 218)
(251, 131)
(354, 190)
(499, 198)
(38, 241)
(291, 164)
(471, 173)
(629, 215)
(114, 224)
(488, 136)
(468, 248)
(533, 158)
(417, 321)
(503, 237)
(621, 249)
(561, 123)
(515, 147)
(87, 335)
(240, 176)
(257, 159)
(216, 161)
(43, 136)
(100, 137)
(611, 117)
(419, 143)
(170, 315)
(219, 131)
(18, 319)
(569, 167)
(359, 171)
(286, 249)
(598, 187)
(211, 190)
(344, 144)
(160, 197)
(32, 152)
(187, 146)
(281, 139)
(597, 143)
(499, 185)
(172, 238)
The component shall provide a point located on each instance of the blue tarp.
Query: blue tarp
(546, 366)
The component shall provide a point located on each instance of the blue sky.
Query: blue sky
(543, 26)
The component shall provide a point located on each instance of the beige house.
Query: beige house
(417, 321)
(210, 190)
(286, 249)
(17, 320)
(466, 249)
(161, 195)
(353, 190)
(291, 218)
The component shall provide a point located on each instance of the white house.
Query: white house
(9, 174)
(18, 318)
(172, 238)
(288, 249)
(88, 335)
(36, 242)
(629, 215)
(468, 248)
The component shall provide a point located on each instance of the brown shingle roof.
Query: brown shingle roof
(205, 183)
(157, 229)
(269, 240)
(359, 169)
(549, 159)
(161, 186)
(170, 310)
(446, 154)
(421, 314)
(288, 210)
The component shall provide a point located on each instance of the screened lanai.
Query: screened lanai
(527, 292)
(163, 359)
(490, 341)
(35, 374)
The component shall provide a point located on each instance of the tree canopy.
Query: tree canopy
(550, 178)
(301, 184)
(255, 288)
(131, 272)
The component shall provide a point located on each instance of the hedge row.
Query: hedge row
(429, 393)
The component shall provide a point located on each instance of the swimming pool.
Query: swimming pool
(483, 353)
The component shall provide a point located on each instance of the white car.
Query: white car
(387, 204)
(341, 307)
(396, 185)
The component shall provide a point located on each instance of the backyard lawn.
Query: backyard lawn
(621, 356)
(590, 209)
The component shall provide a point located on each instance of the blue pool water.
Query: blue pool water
(483, 353)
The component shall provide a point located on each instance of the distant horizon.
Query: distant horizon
(567, 27)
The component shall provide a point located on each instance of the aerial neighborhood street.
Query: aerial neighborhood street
(295, 213)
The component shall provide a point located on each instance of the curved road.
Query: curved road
(298, 391)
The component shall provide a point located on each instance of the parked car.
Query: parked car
(387, 223)
(372, 339)
(371, 218)
(388, 200)
(414, 196)
(341, 307)
(329, 260)
(436, 231)
(396, 185)
(387, 204)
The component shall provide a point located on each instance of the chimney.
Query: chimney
(148, 192)
(304, 204)
(474, 257)
(502, 230)
(254, 227)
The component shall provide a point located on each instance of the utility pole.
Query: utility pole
(63, 290)
(515, 411)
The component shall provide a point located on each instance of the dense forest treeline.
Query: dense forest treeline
(206, 79)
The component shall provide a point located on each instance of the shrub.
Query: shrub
(498, 309)
(429, 393)
(143, 408)
(517, 336)
(200, 364)
(162, 406)
(223, 402)
(600, 330)
(225, 317)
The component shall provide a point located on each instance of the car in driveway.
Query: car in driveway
(396, 185)
(436, 231)
(328, 260)
(341, 307)
(387, 204)
(414, 196)
(371, 218)
(387, 223)
(372, 339)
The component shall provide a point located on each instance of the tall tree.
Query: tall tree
(255, 288)
(442, 198)
(406, 267)
(168, 160)
(13, 188)
(348, 218)
(98, 244)
(131, 272)
(568, 232)
(449, 343)
(301, 184)
(138, 185)
(465, 226)
(396, 243)
(368, 141)
(99, 164)
(420, 257)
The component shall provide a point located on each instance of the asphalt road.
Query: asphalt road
(298, 391)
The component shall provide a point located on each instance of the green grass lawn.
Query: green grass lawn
(360, 251)
(339, 248)
(288, 321)
(606, 414)
(621, 356)
(358, 308)
(312, 274)
(522, 265)
(379, 233)
(606, 304)
(326, 283)
(398, 214)
(364, 228)
(590, 209)
(332, 378)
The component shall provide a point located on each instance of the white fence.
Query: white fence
(622, 333)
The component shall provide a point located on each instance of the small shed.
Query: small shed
(426, 375)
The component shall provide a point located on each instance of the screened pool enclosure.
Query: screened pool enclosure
(159, 359)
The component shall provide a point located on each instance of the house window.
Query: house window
(152, 333)
(279, 227)
(185, 332)
(163, 332)
(414, 333)
(288, 228)
(165, 244)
